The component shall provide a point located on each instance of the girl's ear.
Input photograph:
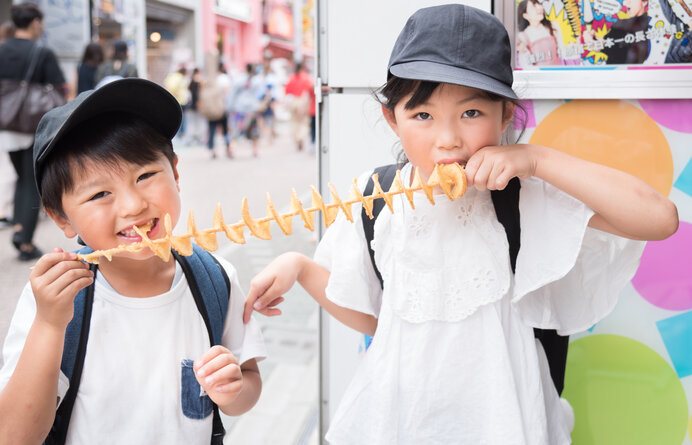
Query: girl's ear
(63, 223)
(507, 115)
(391, 120)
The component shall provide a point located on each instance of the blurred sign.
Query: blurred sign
(66, 26)
(236, 9)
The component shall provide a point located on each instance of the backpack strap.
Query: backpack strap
(74, 351)
(211, 289)
(386, 176)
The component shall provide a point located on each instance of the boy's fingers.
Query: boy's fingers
(49, 260)
(64, 270)
(74, 287)
(210, 355)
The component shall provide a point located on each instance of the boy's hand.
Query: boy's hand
(268, 287)
(55, 280)
(219, 374)
(492, 167)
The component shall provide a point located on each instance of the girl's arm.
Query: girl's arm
(267, 288)
(623, 204)
(28, 402)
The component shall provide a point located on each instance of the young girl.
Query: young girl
(453, 358)
(536, 40)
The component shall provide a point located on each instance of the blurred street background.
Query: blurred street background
(288, 408)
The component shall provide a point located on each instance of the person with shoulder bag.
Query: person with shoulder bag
(31, 83)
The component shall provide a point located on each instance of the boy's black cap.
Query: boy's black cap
(140, 97)
(455, 44)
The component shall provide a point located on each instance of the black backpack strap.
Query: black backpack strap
(74, 351)
(506, 203)
(386, 176)
(203, 271)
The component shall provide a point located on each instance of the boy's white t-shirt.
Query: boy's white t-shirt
(130, 390)
(454, 359)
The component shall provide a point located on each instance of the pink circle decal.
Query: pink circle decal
(671, 113)
(663, 277)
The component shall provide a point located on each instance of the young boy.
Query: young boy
(104, 163)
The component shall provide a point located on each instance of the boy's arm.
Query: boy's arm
(267, 288)
(28, 402)
(623, 204)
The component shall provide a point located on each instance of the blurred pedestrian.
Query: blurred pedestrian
(117, 67)
(176, 84)
(244, 103)
(7, 175)
(195, 122)
(297, 91)
(15, 58)
(268, 100)
(7, 29)
(212, 105)
(86, 71)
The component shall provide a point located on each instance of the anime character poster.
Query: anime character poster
(553, 33)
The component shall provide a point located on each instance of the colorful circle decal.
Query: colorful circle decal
(674, 114)
(613, 133)
(663, 277)
(623, 392)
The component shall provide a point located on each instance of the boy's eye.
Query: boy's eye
(146, 176)
(471, 113)
(98, 196)
(423, 116)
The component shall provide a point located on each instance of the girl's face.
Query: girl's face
(453, 124)
(534, 13)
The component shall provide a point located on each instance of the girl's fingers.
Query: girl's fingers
(480, 180)
(276, 302)
(270, 312)
(258, 287)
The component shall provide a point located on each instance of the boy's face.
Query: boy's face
(106, 202)
(453, 124)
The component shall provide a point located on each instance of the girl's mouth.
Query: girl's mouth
(131, 235)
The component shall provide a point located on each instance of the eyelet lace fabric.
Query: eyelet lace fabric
(443, 261)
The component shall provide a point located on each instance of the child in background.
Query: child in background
(453, 358)
(104, 163)
(536, 41)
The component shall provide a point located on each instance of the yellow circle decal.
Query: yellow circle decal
(613, 133)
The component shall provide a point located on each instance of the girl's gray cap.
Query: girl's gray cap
(140, 97)
(455, 44)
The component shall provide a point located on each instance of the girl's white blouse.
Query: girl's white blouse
(454, 359)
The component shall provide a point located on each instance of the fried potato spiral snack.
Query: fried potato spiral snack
(451, 178)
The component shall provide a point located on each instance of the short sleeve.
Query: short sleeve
(344, 252)
(568, 276)
(245, 341)
(23, 318)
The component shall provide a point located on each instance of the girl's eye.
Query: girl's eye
(471, 113)
(146, 176)
(423, 116)
(99, 195)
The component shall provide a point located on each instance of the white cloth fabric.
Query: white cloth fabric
(454, 359)
(13, 141)
(130, 392)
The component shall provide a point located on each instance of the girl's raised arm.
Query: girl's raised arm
(623, 204)
(268, 287)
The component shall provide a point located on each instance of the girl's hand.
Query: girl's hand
(268, 287)
(492, 167)
(55, 280)
(219, 374)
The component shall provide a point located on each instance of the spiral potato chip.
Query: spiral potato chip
(451, 178)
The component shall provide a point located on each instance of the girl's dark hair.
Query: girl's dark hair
(522, 23)
(396, 88)
(109, 139)
(93, 54)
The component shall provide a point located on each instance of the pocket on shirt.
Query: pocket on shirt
(195, 403)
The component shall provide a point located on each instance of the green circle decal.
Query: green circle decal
(623, 392)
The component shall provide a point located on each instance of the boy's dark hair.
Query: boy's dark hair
(110, 139)
(25, 13)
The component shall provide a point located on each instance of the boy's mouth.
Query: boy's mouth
(131, 235)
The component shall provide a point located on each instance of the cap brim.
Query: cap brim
(140, 97)
(438, 72)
